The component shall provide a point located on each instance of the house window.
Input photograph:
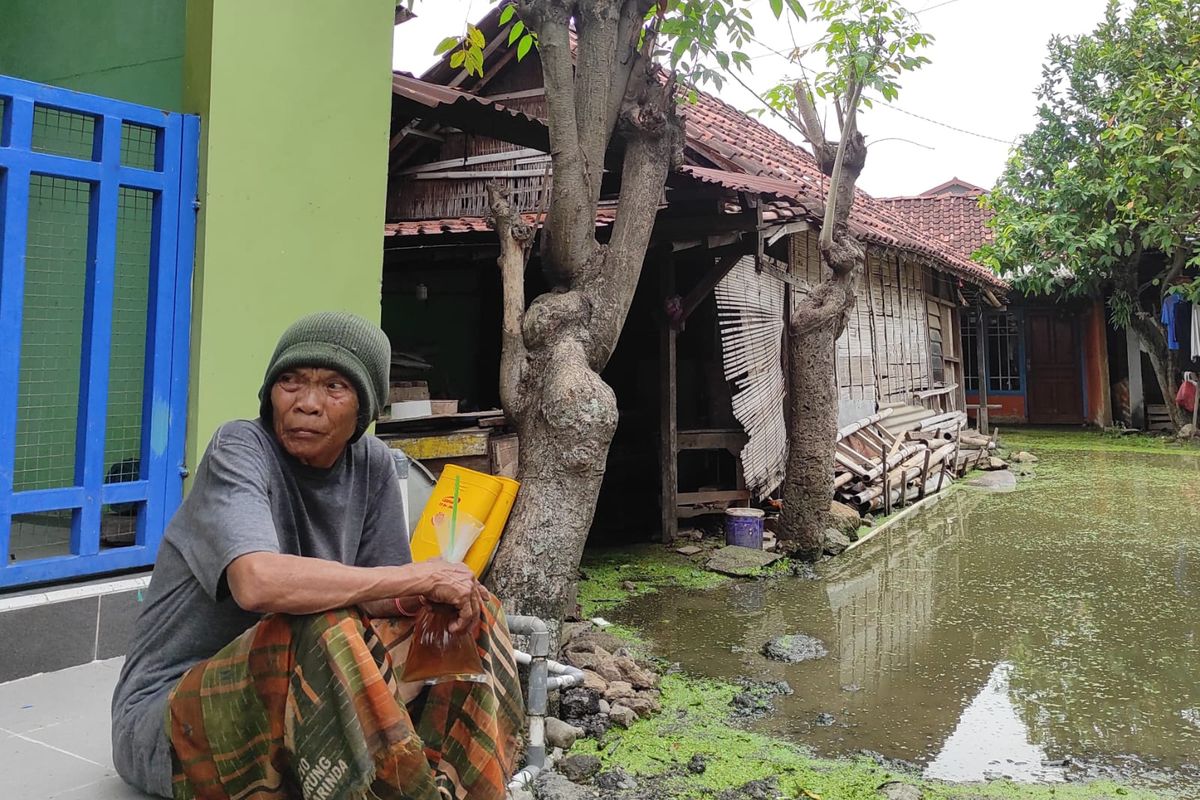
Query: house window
(1003, 354)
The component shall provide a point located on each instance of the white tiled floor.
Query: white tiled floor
(54, 736)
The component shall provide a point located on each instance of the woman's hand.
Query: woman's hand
(452, 585)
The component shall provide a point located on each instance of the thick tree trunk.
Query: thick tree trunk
(554, 351)
(812, 393)
(565, 426)
(815, 325)
(1165, 361)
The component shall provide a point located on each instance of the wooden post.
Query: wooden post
(925, 474)
(1137, 397)
(668, 407)
(981, 417)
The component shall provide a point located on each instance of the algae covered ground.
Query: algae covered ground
(697, 719)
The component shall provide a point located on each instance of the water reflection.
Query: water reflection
(991, 740)
(1059, 620)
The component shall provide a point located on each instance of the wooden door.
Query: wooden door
(1054, 392)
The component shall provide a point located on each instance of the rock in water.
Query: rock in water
(794, 648)
(895, 790)
(836, 542)
(765, 789)
(740, 562)
(578, 768)
(998, 481)
(843, 517)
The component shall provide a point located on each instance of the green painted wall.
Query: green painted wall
(295, 100)
(127, 49)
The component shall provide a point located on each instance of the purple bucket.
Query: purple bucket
(744, 527)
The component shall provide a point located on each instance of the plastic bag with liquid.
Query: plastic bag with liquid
(435, 654)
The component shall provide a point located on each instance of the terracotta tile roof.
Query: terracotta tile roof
(748, 155)
(735, 141)
(956, 220)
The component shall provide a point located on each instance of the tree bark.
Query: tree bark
(554, 350)
(1152, 334)
(815, 326)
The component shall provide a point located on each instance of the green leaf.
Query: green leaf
(476, 36)
(515, 32)
(777, 8)
(506, 13)
(457, 59)
(446, 45)
(523, 46)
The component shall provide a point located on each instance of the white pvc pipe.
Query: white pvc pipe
(523, 778)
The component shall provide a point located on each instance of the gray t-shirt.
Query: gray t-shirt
(249, 496)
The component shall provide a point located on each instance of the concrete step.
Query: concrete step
(89, 621)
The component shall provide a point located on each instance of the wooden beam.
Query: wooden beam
(719, 496)
(472, 161)
(981, 417)
(539, 91)
(709, 282)
(731, 440)
(668, 431)
(1137, 395)
(779, 231)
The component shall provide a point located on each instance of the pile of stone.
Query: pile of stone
(618, 689)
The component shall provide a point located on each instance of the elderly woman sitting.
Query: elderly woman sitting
(264, 661)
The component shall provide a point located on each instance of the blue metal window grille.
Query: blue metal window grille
(97, 228)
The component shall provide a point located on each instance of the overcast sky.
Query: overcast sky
(986, 64)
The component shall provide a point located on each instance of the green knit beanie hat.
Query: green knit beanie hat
(335, 340)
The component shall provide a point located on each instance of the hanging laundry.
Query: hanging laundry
(1169, 308)
(1196, 330)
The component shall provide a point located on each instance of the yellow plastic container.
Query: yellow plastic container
(484, 497)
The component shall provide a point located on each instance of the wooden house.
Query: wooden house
(740, 217)
(1034, 360)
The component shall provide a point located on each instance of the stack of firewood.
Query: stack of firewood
(876, 469)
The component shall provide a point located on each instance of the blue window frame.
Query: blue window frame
(97, 228)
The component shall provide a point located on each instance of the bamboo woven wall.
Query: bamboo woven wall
(883, 356)
(449, 191)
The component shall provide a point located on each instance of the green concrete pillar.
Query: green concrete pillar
(295, 103)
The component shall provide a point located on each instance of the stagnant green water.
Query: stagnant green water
(988, 635)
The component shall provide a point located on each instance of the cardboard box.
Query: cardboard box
(402, 391)
(443, 407)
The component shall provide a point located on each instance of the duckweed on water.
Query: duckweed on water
(696, 720)
(649, 567)
(1044, 440)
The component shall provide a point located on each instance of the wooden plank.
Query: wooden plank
(471, 161)
(504, 453)
(707, 498)
(731, 440)
(442, 445)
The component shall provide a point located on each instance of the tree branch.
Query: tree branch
(569, 234)
(654, 134)
(810, 121)
(514, 237)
